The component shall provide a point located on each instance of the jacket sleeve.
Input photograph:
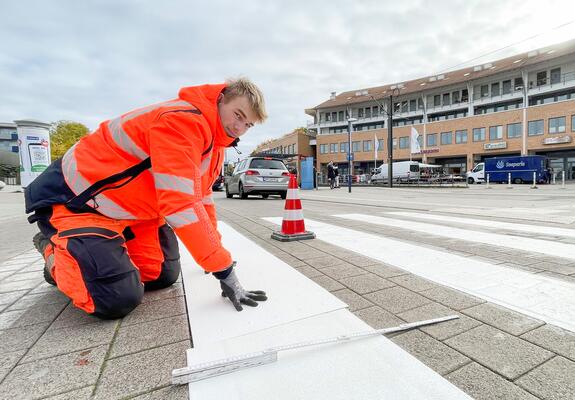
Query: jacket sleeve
(177, 141)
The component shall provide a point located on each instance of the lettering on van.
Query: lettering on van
(501, 164)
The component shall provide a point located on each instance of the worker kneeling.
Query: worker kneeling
(109, 211)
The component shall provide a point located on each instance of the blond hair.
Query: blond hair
(244, 87)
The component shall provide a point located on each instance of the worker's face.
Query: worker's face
(236, 115)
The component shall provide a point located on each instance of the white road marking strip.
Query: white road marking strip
(545, 230)
(541, 297)
(513, 242)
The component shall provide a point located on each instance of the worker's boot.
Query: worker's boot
(44, 247)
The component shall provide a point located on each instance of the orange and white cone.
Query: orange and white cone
(293, 225)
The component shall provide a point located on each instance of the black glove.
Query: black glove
(233, 290)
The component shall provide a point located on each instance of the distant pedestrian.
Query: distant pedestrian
(331, 175)
(336, 173)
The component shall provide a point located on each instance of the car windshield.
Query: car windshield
(262, 163)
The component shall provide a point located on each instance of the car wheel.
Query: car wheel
(283, 195)
(228, 194)
(470, 180)
(243, 195)
(518, 180)
(265, 196)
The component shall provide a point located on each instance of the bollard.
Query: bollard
(487, 184)
(509, 181)
(534, 186)
(554, 174)
(562, 179)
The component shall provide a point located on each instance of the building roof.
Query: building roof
(515, 62)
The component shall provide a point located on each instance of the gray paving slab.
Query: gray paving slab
(327, 283)
(155, 310)
(6, 287)
(378, 318)
(503, 318)
(8, 360)
(53, 375)
(553, 380)
(71, 339)
(80, 394)
(499, 351)
(179, 392)
(366, 283)
(138, 337)
(325, 261)
(483, 384)
(385, 271)
(342, 271)
(397, 299)
(431, 352)
(35, 300)
(23, 276)
(43, 287)
(30, 316)
(563, 269)
(21, 338)
(553, 338)
(72, 316)
(308, 271)
(413, 282)
(6, 274)
(353, 300)
(141, 372)
(443, 330)
(11, 297)
(175, 290)
(561, 277)
(360, 261)
(451, 298)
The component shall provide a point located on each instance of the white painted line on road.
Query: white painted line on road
(541, 297)
(545, 230)
(512, 242)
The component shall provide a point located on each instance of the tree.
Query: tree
(63, 135)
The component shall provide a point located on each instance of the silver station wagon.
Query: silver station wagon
(258, 176)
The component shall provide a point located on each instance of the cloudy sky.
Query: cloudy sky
(88, 61)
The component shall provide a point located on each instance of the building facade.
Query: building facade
(9, 152)
(519, 105)
(292, 147)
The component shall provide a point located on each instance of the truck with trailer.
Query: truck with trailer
(521, 169)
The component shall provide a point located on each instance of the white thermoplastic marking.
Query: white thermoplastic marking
(540, 230)
(541, 297)
(494, 239)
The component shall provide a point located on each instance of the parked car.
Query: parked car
(218, 184)
(258, 176)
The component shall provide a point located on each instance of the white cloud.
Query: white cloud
(91, 60)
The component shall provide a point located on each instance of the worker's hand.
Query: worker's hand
(233, 290)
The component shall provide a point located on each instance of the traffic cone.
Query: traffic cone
(293, 226)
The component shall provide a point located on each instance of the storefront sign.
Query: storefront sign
(495, 146)
(427, 151)
(557, 140)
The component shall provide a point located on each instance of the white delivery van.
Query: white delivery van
(477, 174)
(402, 171)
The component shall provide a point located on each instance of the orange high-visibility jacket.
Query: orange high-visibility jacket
(185, 142)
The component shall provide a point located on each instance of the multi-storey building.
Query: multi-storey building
(8, 145)
(291, 146)
(518, 105)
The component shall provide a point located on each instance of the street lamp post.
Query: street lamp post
(349, 153)
(390, 142)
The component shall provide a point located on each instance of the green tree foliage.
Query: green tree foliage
(63, 135)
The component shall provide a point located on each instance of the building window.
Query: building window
(446, 138)
(507, 87)
(455, 97)
(557, 125)
(496, 132)
(379, 144)
(367, 145)
(368, 112)
(432, 139)
(355, 147)
(341, 117)
(495, 89)
(404, 106)
(556, 75)
(478, 134)
(518, 84)
(334, 116)
(573, 123)
(541, 78)
(514, 130)
(413, 105)
(333, 148)
(419, 103)
(464, 96)
(360, 113)
(484, 90)
(404, 142)
(343, 146)
(327, 117)
(323, 149)
(395, 143)
(461, 136)
(375, 111)
(436, 100)
(446, 99)
(535, 128)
